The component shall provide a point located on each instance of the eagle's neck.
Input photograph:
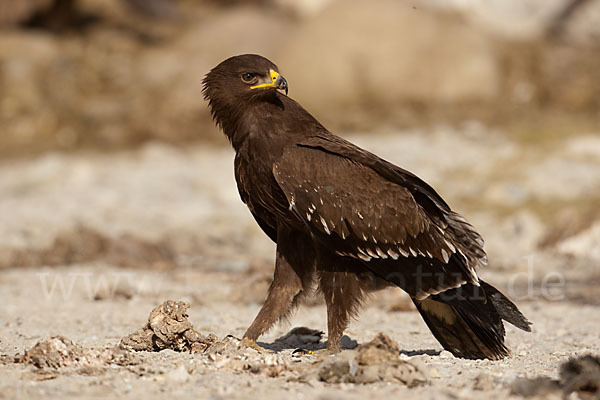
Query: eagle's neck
(228, 119)
(275, 121)
(255, 121)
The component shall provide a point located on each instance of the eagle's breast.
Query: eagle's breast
(257, 185)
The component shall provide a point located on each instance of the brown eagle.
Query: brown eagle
(348, 220)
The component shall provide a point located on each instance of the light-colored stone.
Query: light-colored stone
(178, 375)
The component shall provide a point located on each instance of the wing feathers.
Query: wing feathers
(357, 212)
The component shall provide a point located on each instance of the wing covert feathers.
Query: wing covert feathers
(358, 213)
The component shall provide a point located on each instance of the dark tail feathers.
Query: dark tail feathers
(467, 321)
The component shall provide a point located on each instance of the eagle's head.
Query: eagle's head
(239, 81)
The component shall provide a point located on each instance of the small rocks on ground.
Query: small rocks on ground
(580, 375)
(375, 361)
(168, 328)
(58, 351)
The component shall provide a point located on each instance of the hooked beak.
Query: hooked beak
(281, 83)
(277, 81)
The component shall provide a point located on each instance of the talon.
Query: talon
(251, 343)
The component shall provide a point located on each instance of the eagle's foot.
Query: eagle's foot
(251, 343)
(322, 354)
(333, 348)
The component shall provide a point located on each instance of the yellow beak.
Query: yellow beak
(277, 82)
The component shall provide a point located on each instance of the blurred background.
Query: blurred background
(110, 161)
(114, 74)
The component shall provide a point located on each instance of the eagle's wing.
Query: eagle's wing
(456, 229)
(267, 228)
(363, 207)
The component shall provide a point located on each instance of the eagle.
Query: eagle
(349, 222)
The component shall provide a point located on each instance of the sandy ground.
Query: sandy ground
(182, 205)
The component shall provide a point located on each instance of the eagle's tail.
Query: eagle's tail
(467, 321)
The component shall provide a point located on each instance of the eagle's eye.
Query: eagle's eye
(248, 77)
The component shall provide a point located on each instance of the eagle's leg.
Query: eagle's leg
(285, 287)
(294, 269)
(343, 292)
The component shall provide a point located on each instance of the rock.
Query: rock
(6, 359)
(581, 375)
(118, 356)
(205, 343)
(178, 375)
(380, 349)
(57, 352)
(540, 386)
(229, 347)
(338, 369)
(167, 328)
(434, 373)
(348, 343)
(140, 340)
(483, 381)
(371, 362)
(169, 323)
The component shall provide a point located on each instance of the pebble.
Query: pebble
(434, 373)
(221, 362)
(483, 381)
(178, 375)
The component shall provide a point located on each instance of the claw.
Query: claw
(251, 344)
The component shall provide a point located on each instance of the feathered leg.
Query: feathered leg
(294, 270)
(343, 292)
